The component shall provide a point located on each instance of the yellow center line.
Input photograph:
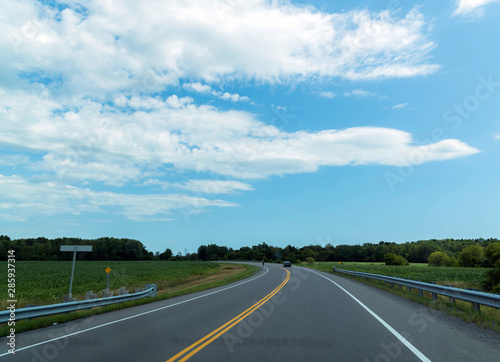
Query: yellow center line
(209, 338)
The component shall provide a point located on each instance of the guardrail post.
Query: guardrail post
(476, 306)
(434, 296)
(90, 295)
(106, 293)
(409, 289)
(452, 300)
(68, 299)
(420, 293)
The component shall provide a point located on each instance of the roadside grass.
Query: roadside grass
(487, 317)
(173, 279)
(456, 276)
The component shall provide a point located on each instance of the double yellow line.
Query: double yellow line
(209, 338)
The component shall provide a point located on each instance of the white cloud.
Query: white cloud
(21, 199)
(352, 93)
(72, 167)
(13, 160)
(214, 186)
(359, 93)
(326, 94)
(206, 89)
(400, 105)
(198, 87)
(80, 92)
(471, 7)
(234, 97)
(106, 49)
(497, 136)
(97, 143)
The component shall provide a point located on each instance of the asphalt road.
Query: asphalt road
(291, 314)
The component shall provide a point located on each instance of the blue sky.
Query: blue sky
(239, 122)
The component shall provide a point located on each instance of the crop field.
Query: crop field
(456, 276)
(47, 282)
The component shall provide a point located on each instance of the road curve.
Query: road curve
(293, 314)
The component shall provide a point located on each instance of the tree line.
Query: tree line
(107, 248)
(445, 252)
(413, 252)
(48, 249)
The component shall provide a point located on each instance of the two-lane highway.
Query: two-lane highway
(293, 314)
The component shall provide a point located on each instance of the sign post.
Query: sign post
(107, 270)
(74, 249)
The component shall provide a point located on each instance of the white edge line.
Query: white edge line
(134, 316)
(412, 348)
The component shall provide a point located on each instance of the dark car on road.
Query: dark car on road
(287, 263)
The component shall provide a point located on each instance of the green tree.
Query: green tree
(492, 253)
(471, 256)
(202, 252)
(437, 258)
(166, 255)
(393, 259)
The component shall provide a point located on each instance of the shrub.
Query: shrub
(471, 256)
(393, 259)
(451, 261)
(310, 260)
(493, 281)
(496, 290)
(437, 258)
(389, 258)
(399, 260)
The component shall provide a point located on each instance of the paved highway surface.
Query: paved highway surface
(292, 314)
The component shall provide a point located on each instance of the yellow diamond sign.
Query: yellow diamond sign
(107, 270)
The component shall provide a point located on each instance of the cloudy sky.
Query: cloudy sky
(180, 123)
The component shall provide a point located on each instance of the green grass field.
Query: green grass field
(456, 276)
(43, 283)
(47, 282)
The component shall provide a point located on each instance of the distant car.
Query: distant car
(287, 263)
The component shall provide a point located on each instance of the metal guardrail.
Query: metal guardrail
(33, 312)
(476, 298)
